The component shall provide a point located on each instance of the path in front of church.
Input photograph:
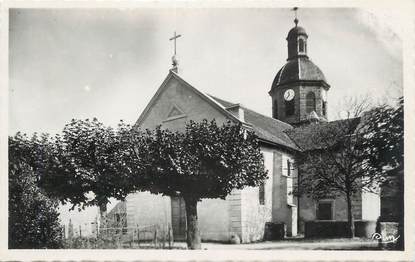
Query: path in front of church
(321, 244)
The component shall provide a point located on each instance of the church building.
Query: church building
(298, 95)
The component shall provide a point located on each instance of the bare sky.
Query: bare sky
(108, 63)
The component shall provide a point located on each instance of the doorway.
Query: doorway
(178, 217)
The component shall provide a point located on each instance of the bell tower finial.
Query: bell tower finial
(295, 13)
(297, 40)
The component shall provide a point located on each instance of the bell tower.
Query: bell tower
(299, 90)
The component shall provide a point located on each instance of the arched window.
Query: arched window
(301, 47)
(275, 110)
(289, 107)
(324, 108)
(310, 102)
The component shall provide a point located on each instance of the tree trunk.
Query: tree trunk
(103, 217)
(350, 220)
(193, 234)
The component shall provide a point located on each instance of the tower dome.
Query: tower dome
(296, 31)
(299, 69)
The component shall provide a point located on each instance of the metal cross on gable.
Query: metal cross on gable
(174, 39)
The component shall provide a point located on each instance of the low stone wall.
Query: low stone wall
(275, 231)
(325, 229)
(333, 229)
(365, 228)
(388, 236)
(389, 228)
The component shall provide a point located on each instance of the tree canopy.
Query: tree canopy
(385, 137)
(87, 165)
(204, 161)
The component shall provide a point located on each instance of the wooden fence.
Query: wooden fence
(150, 236)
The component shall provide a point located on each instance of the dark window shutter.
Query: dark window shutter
(262, 194)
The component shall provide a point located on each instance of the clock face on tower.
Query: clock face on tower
(289, 95)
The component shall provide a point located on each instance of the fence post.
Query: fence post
(138, 236)
(63, 233)
(132, 238)
(170, 236)
(164, 238)
(96, 228)
(155, 237)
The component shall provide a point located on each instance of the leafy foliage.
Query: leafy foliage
(89, 157)
(204, 161)
(385, 137)
(33, 217)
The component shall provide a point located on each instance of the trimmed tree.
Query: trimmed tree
(89, 166)
(86, 166)
(204, 161)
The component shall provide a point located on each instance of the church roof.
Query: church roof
(222, 102)
(320, 135)
(269, 129)
(299, 69)
(164, 85)
(266, 128)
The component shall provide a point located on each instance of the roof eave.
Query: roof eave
(278, 145)
(304, 82)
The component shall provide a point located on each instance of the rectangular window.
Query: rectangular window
(301, 45)
(325, 210)
(287, 166)
(324, 108)
(262, 193)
